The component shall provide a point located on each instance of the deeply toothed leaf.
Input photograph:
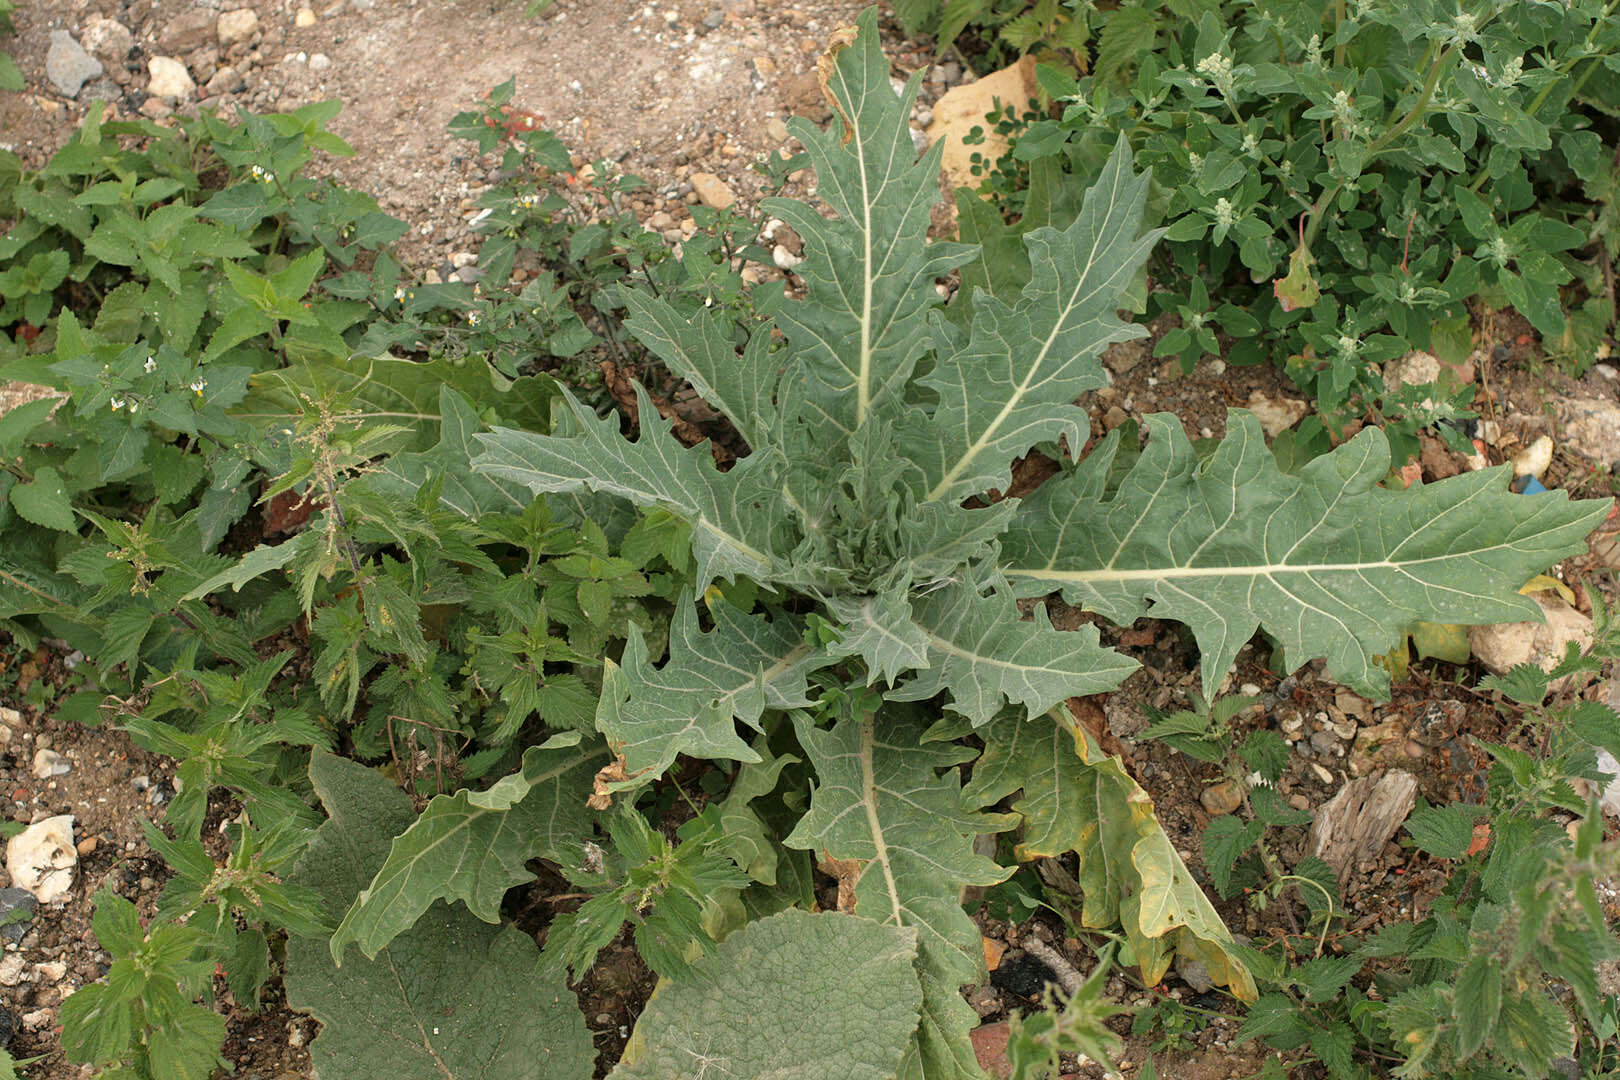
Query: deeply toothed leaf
(1325, 560)
(985, 655)
(857, 335)
(736, 517)
(472, 846)
(1013, 382)
(742, 667)
(892, 810)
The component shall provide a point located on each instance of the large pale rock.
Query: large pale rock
(1276, 414)
(68, 66)
(964, 107)
(107, 39)
(169, 79)
(1506, 645)
(1590, 427)
(237, 26)
(712, 191)
(41, 858)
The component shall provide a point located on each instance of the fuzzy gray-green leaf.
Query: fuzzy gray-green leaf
(1326, 561)
(736, 517)
(794, 996)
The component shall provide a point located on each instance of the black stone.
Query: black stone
(1023, 977)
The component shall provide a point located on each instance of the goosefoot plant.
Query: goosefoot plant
(883, 639)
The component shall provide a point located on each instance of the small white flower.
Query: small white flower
(1251, 145)
(1224, 214)
(1195, 161)
(399, 293)
(150, 365)
(1348, 345)
(117, 403)
(133, 406)
(261, 173)
(198, 385)
(472, 318)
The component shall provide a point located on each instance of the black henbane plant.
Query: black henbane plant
(889, 625)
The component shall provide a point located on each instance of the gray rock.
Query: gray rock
(17, 908)
(227, 80)
(9, 1023)
(68, 66)
(1590, 426)
(713, 19)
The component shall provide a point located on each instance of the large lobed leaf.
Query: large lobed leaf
(742, 667)
(1326, 561)
(1075, 800)
(794, 996)
(890, 811)
(869, 273)
(737, 517)
(451, 998)
(472, 846)
(1012, 382)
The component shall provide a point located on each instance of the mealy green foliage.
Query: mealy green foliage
(288, 506)
(1347, 178)
(453, 997)
(785, 996)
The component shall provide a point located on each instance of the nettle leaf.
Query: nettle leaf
(472, 846)
(891, 811)
(1076, 800)
(452, 997)
(1325, 560)
(791, 995)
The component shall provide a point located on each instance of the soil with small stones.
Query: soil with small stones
(666, 90)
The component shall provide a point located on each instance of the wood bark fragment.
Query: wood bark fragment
(1356, 823)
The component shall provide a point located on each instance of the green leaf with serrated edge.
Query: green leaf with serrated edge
(472, 846)
(255, 564)
(745, 665)
(1013, 382)
(1531, 1031)
(1478, 994)
(856, 336)
(985, 655)
(43, 501)
(1443, 831)
(701, 351)
(450, 461)
(1596, 724)
(450, 998)
(745, 838)
(737, 517)
(1525, 683)
(882, 803)
(1326, 561)
(1225, 839)
(791, 995)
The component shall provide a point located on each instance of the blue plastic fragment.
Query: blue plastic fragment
(1528, 485)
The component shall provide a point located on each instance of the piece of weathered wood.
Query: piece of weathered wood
(1354, 825)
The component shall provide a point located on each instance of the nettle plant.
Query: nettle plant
(861, 626)
(1349, 177)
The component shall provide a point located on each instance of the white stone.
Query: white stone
(319, 62)
(1589, 426)
(41, 858)
(169, 78)
(237, 26)
(11, 969)
(68, 66)
(459, 259)
(305, 17)
(52, 972)
(1276, 415)
(1413, 369)
(48, 763)
(1610, 800)
(1502, 647)
(712, 191)
(783, 258)
(1534, 459)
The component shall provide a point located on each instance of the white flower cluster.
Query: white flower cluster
(1218, 69)
(261, 173)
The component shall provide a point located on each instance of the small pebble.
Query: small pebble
(48, 763)
(1322, 774)
(305, 17)
(1222, 798)
(319, 62)
(1249, 689)
(1299, 802)
(87, 845)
